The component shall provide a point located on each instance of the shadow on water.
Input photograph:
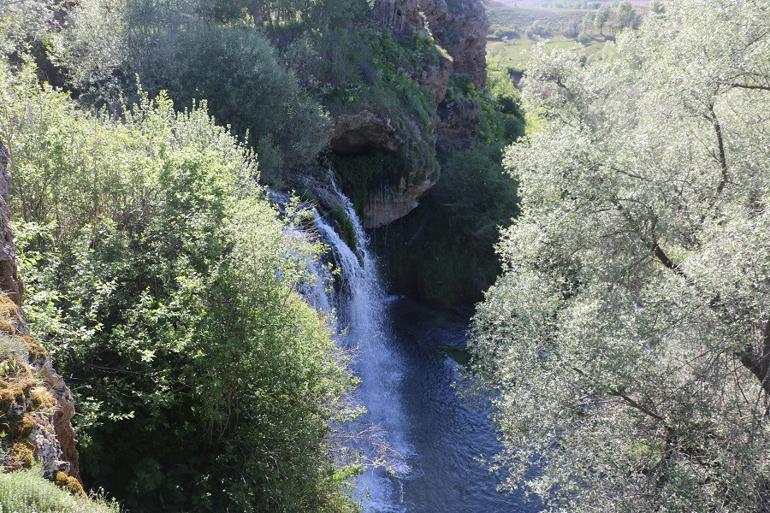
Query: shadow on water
(448, 434)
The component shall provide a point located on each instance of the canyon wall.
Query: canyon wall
(395, 152)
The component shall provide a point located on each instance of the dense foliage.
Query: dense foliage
(628, 337)
(164, 285)
(443, 253)
(194, 52)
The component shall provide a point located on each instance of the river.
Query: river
(407, 357)
(449, 434)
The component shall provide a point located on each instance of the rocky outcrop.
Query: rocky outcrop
(459, 123)
(434, 77)
(391, 147)
(400, 16)
(9, 277)
(363, 132)
(36, 405)
(461, 27)
(387, 204)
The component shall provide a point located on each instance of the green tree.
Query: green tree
(23, 21)
(185, 50)
(628, 339)
(600, 19)
(587, 24)
(626, 15)
(161, 280)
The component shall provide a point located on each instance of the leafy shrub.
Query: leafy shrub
(174, 48)
(26, 491)
(164, 285)
(538, 31)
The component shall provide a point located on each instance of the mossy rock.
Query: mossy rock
(37, 353)
(69, 483)
(345, 227)
(9, 312)
(21, 455)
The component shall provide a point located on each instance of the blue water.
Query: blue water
(448, 433)
(437, 438)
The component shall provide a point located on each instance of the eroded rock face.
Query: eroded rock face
(401, 16)
(459, 123)
(387, 204)
(363, 132)
(39, 405)
(9, 277)
(434, 78)
(406, 148)
(461, 27)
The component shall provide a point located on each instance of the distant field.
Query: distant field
(518, 26)
(504, 16)
(516, 53)
(561, 3)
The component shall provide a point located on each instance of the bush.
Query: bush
(26, 491)
(163, 284)
(233, 66)
(538, 31)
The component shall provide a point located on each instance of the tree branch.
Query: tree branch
(626, 398)
(722, 153)
(751, 86)
(665, 260)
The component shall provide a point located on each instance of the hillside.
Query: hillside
(516, 28)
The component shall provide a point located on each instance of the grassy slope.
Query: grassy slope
(516, 53)
(27, 492)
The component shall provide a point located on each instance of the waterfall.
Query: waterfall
(360, 302)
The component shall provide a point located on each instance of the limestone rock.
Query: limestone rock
(9, 277)
(387, 204)
(408, 147)
(434, 78)
(363, 132)
(459, 123)
(461, 27)
(401, 16)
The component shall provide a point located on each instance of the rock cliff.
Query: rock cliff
(401, 16)
(36, 405)
(461, 27)
(362, 132)
(445, 40)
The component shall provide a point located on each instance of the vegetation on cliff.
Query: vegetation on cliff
(26, 491)
(628, 338)
(443, 253)
(194, 51)
(161, 280)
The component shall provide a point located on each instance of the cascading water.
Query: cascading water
(400, 353)
(360, 303)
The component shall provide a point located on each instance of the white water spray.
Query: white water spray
(360, 305)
